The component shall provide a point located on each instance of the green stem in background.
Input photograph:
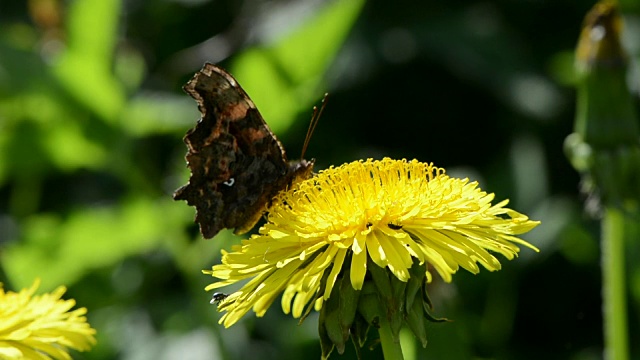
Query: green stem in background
(605, 149)
(391, 348)
(614, 285)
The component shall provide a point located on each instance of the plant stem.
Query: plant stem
(391, 348)
(613, 285)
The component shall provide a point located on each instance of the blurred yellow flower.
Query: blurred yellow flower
(389, 211)
(41, 326)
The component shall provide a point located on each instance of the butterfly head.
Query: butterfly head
(300, 170)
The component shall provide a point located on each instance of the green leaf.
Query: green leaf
(289, 73)
(154, 113)
(61, 251)
(84, 68)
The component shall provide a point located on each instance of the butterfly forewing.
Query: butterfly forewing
(237, 164)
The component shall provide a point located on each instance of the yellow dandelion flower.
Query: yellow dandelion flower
(388, 213)
(41, 326)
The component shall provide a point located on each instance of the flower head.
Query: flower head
(390, 212)
(41, 326)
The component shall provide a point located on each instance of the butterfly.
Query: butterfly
(237, 164)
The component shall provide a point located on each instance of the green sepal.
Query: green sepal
(398, 289)
(395, 305)
(359, 330)
(427, 306)
(389, 304)
(326, 345)
(579, 153)
(369, 304)
(331, 311)
(415, 319)
(417, 275)
(348, 303)
(381, 279)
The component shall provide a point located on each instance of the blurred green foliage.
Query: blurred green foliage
(91, 120)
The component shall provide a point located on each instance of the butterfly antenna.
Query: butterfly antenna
(313, 123)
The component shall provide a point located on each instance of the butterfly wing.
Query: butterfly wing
(236, 162)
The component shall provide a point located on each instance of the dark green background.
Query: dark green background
(92, 116)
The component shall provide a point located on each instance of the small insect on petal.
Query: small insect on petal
(217, 297)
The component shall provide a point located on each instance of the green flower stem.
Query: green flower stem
(391, 348)
(605, 149)
(613, 285)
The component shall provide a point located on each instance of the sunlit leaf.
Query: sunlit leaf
(153, 113)
(285, 78)
(84, 68)
(61, 251)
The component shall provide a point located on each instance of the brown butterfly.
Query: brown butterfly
(237, 164)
